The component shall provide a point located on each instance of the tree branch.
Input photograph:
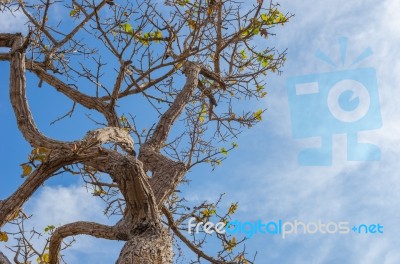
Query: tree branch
(7, 39)
(118, 83)
(213, 76)
(78, 27)
(109, 135)
(22, 112)
(80, 228)
(208, 92)
(133, 182)
(187, 242)
(167, 174)
(76, 96)
(53, 163)
(4, 259)
(163, 127)
(4, 57)
(134, 185)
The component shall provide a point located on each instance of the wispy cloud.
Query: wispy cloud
(263, 175)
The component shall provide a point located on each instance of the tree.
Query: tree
(194, 62)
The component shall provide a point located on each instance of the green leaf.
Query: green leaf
(231, 244)
(280, 19)
(233, 208)
(98, 192)
(265, 17)
(258, 115)
(245, 33)
(183, 2)
(127, 28)
(3, 237)
(26, 169)
(123, 119)
(43, 259)
(208, 212)
(158, 34)
(256, 31)
(74, 12)
(203, 113)
(39, 154)
(49, 228)
(46, 257)
(243, 54)
(224, 151)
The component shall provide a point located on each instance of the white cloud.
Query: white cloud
(265, 177)
(13, 22)
(66, 205)
(61, 205)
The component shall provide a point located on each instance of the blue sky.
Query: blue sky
(263, 174)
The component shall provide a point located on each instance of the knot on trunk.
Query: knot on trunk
(110, 135)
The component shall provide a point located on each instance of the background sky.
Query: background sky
(263, 174)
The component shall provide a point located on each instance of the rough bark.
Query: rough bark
(148, 248)
(4, 259)
(19, 103)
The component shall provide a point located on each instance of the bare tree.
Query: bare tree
(195, 62)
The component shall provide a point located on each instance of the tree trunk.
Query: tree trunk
(150, 247)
